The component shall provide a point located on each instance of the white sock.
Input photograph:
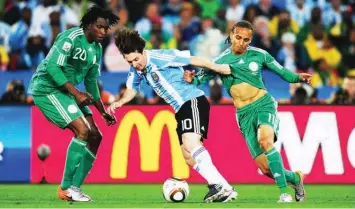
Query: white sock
(204, 166)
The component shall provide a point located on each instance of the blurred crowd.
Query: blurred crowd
(316, 36)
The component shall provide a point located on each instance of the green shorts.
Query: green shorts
(260, 112)
(60, 108)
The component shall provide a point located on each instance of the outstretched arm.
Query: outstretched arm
(127, 97)
(177, 58)
(205, 63)
(202, 77)
(133, 83)
(284, 73)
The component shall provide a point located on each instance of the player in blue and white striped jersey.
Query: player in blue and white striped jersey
(163, 70)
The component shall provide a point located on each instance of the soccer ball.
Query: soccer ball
(175, 189)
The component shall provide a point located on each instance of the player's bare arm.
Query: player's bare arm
(205, 63)
(127, 97)
(189, 76)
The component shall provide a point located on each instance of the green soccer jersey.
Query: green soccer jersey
(72, 58)
(246, 68)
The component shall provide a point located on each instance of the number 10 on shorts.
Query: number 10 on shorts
(186, 124)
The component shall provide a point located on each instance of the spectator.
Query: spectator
(346, 94)
(333, 15)
(324, 75)
(15, 93)
(281, 24)
(300, 12)
(315, 21)
(320, 46)
(235, 12)
(267, 9)
(189, 26)
(18, 37)
(209, 43)
(287, 54)
(4, 58)
(262, 37)
(144, 25)
(158, 38)
(250, 14)
(171, 10)
(35, 50)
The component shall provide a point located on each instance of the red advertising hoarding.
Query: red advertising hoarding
(143, 146)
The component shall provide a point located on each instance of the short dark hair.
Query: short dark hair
(129, 41)
(241, 24)
(95, 12)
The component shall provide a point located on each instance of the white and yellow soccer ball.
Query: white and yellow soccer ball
(175, 189)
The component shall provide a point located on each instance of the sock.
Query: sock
(75, 152)
(276, 168)
(292, 177)
(84, 168)
(204, 166)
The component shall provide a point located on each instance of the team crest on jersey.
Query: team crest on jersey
(66, 46)
(155, 76)
(253, 66)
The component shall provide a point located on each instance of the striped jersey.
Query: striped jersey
(74, 55)
(164, 73)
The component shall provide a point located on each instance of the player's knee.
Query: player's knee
(265, 142)
(191, 141)
(82, 132)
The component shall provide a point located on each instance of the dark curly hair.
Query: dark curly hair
(129, 41)
(95, 12)
(241, 24)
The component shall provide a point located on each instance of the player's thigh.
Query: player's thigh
(59, 108)
(268, 123)
(248, 126)
(94, 130)
(193, 117)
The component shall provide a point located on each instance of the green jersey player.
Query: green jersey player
(75, 57)
(256, 109)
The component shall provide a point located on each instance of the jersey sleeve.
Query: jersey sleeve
(133, 80)
(60, 52)
(203, 76)
(90, 80)
(283, 72)
(57, 58)
(172, 57)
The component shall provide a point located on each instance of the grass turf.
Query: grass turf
(150, 196)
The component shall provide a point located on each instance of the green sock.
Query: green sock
(75, 152)
(276, 168)
(292, 177)
(84, 168)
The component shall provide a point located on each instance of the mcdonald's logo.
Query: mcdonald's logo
(149, 144)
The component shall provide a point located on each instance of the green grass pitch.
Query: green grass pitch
(150, 196)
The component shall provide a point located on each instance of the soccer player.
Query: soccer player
(256, 109)
(75, 56)
(162, 69)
